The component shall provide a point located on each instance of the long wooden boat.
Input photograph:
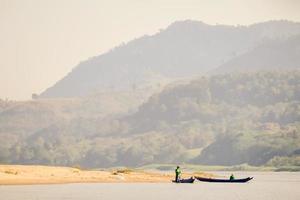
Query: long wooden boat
(243, 180)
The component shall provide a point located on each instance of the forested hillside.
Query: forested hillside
(223, 119)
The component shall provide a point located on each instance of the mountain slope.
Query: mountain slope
(272, 55)
(183, 49)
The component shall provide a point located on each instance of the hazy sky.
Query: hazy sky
(42, 40)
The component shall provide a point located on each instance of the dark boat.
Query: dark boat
(243, 180)
(189, 180)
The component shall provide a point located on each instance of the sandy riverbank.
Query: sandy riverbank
(34, 174)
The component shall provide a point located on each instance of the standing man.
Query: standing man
(177, 174)
(231, 177)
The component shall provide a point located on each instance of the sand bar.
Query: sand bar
(36, 174)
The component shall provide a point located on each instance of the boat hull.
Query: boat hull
(243, 180)
(189, 180)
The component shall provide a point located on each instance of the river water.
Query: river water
(264, 186)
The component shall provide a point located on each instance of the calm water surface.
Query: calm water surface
(266, 185)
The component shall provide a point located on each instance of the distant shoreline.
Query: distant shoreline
(208, 168)
(36, 174)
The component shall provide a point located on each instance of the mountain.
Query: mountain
(184, 49)
(272, 55)
(127, 110)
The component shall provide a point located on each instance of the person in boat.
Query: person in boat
(231, 177)
(177, 174)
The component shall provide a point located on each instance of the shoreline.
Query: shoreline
(40, 175)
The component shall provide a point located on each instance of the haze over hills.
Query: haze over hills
(184, 49)
(271, 55)
(128, 108)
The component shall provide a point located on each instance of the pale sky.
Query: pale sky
(42, 40)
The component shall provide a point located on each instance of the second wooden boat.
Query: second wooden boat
(243, 180)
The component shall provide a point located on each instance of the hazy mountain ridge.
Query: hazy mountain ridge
(183, 49)
(271, 55)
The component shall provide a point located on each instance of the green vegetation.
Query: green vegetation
(124, 171)
(239, 120)
(284, 162)
(11, 172)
